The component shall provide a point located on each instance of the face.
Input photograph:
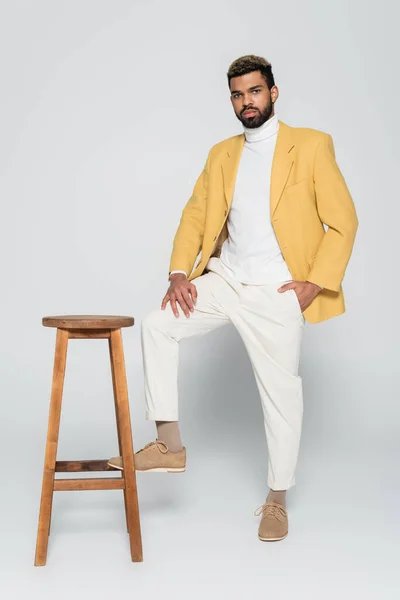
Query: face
(251, 99)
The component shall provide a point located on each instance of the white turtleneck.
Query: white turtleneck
(251, 253)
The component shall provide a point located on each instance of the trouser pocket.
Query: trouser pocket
(295, 300)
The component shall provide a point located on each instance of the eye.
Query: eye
(255, 91)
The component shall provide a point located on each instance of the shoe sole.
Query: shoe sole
(273, 539)
(155, 469)
(162, 470)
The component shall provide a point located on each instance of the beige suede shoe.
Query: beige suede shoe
(155, 457)
(274, 522)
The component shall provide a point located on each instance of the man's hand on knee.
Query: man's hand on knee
(182, 291)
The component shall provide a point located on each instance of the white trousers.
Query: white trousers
(270, 324)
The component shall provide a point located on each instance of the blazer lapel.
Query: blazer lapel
(230, 164)
(282, 162)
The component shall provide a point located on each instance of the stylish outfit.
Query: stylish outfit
(250, 183)
(307, 192)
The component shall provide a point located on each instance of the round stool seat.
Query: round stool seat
(88, 321)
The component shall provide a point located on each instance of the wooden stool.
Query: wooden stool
(89, 327)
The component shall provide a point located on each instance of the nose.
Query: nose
(247, 107)
(247, 103)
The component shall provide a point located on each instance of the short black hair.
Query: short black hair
(248, 64)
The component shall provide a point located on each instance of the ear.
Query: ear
(274, 93)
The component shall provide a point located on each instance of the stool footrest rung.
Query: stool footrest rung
(76, 466)
(98, 483)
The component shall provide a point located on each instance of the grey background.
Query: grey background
(108, 110)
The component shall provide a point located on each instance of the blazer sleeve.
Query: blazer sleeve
(336, 210)
(189, 236)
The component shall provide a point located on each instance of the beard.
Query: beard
(258, 119)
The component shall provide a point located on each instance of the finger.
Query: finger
(188, 299)
(193, 291)
(165, 301)
(182, 303)
(288, 286)
(173, 306)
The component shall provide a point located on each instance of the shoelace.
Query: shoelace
(271, 509)
(163, 448)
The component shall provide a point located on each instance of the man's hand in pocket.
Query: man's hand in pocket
(305, 292)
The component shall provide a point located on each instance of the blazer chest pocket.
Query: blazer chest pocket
(299, 199)
(299, 187)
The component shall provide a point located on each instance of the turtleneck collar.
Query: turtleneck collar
(263, 132)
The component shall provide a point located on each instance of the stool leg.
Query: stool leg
(123, 416)
(46, 501)
(118, 427)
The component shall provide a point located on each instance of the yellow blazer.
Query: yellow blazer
(307, 190)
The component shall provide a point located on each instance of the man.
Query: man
(267, 264)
